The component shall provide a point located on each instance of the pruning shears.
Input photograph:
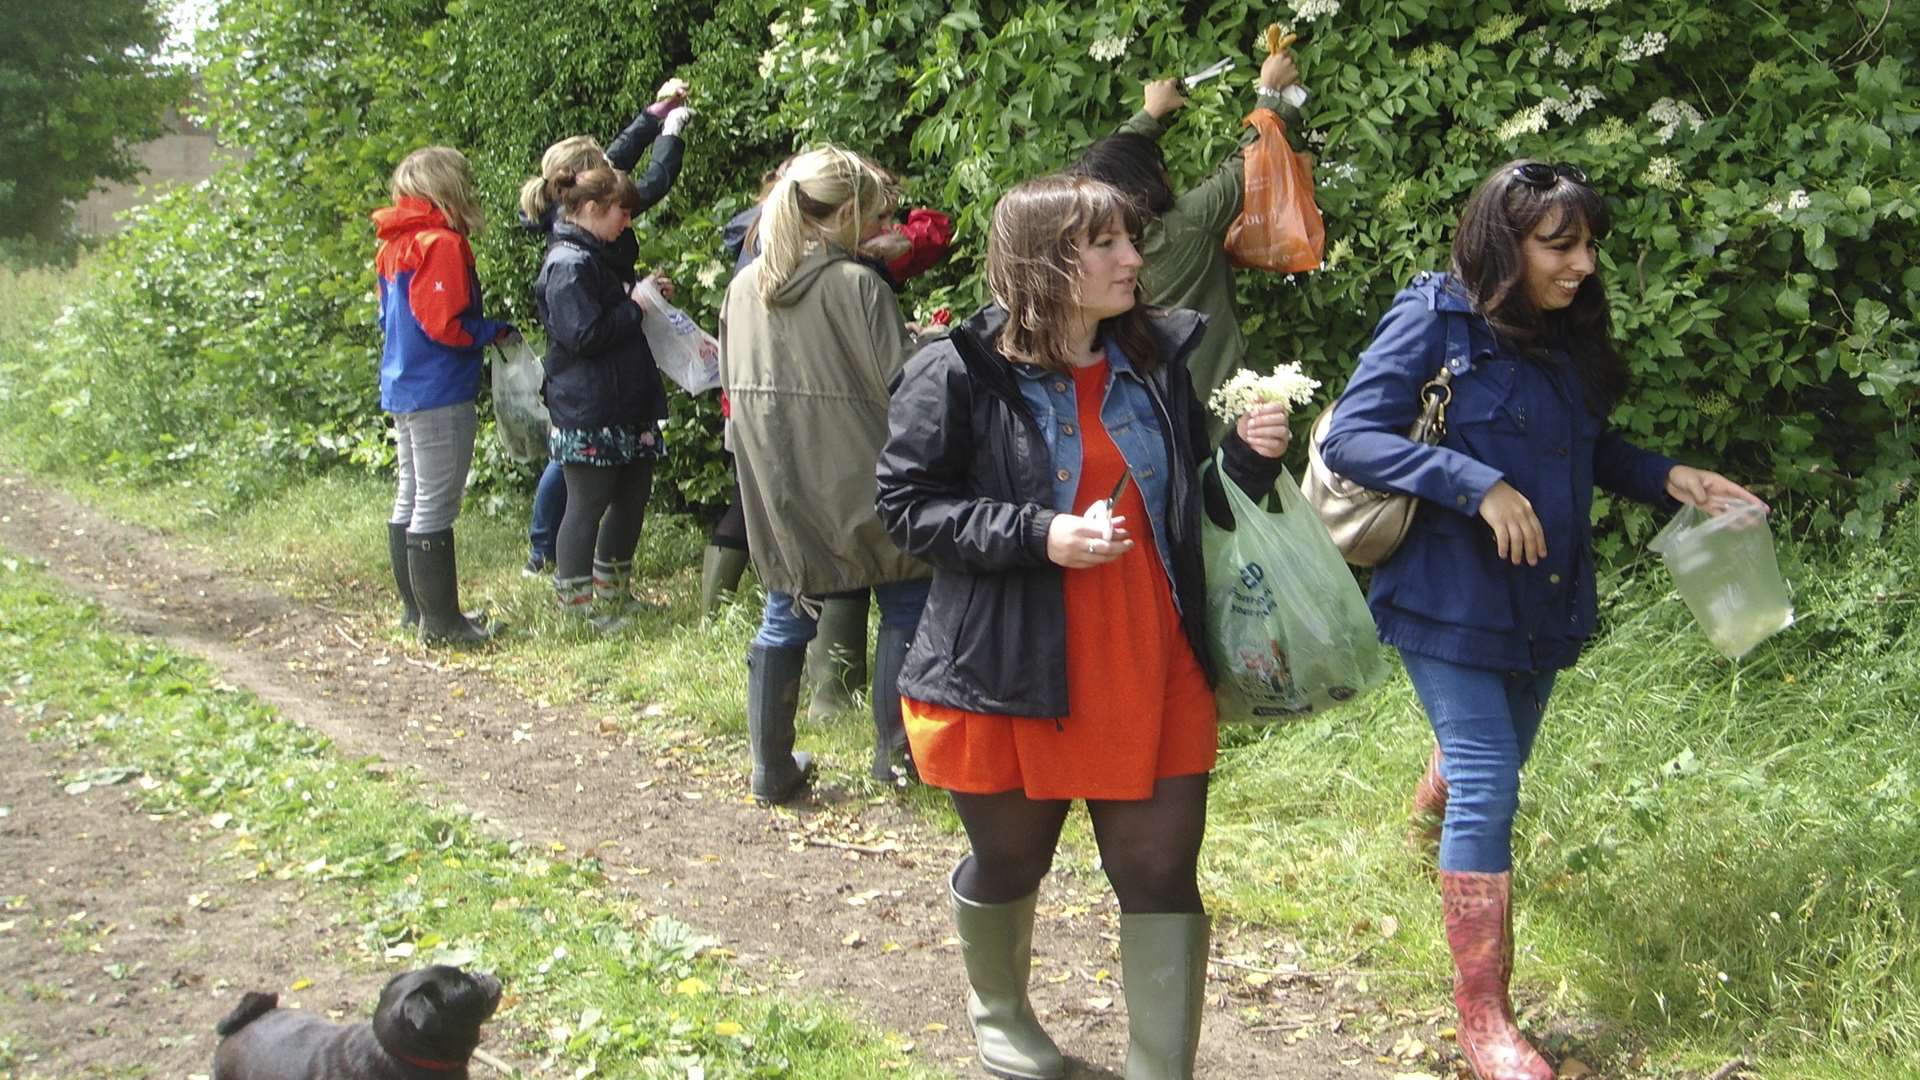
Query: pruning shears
(1211, 71)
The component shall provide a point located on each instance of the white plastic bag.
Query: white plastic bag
(685, 353)
(519, 415)
(1724, 567)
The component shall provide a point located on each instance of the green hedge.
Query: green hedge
(1759, 157)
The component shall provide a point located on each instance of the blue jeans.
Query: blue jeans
(785, 626)
(549, 506)
(1485, 722)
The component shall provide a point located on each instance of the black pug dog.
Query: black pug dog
(427, 1025)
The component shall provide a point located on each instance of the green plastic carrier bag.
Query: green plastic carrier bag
(1289, 631)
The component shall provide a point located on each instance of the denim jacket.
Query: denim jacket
(1446, 593)
(1132, 423)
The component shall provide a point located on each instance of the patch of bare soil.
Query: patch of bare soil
(842, 900)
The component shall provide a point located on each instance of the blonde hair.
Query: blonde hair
(441, 175)
(572, 155)
(801, 208)
(1034, 268)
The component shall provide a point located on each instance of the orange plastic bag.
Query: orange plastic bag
(1279, 226)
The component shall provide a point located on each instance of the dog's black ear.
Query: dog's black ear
(421, 1011)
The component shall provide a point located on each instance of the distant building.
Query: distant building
(188, 155)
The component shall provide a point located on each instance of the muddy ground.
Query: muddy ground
(123, 943)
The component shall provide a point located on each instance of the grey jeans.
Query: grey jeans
(436, 450)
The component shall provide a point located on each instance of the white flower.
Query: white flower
(1341, 170)
(1564, 58)
(1588, 5)
(1798, 199)
(1670, 114)
(709, 275)
(1498, 29)
(1110, 48)
(1775, 208)
(1570, 107)
(1287, 385)
(1309, 10)
(1651, 43)
(1663, 173)
(768, 61)
(1525, 122)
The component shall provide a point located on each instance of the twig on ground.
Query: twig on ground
(864, 849)
(342, 631)
(1730, 1070)
(1268, 1029)
(424, 664)
(492, 1062)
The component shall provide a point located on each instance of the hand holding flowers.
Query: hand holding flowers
(1258, 405)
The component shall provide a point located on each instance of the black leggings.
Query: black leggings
(606, 505)
(1150, 849)
(731, 530)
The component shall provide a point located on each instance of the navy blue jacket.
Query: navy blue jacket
(1446, 592)
(600, 372)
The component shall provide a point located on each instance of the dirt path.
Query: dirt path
(817, 899)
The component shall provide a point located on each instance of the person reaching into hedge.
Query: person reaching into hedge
(1492, 593)
(603, 391)
(810, 338)
(659, 126)
(1063, 652)
(1187, 266)
(837, 656)
(433, 329)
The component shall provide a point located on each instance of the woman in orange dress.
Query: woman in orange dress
(1045, 459)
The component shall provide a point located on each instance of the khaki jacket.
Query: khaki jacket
(808, 380)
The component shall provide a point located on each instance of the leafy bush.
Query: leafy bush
(1759, 160)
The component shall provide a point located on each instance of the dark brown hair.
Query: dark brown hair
(1133, 163)
(601, 184)
(1489, 260)
(1033, 270)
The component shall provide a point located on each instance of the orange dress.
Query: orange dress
(1139, 705)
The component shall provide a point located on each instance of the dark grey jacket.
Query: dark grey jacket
(966, 484)
(600, 372)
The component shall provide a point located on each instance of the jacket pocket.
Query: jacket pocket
(1449, 572)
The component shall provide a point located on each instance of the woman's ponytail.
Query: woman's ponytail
(783, 238)
(571, 156)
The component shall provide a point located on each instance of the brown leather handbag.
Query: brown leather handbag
(1367, 525)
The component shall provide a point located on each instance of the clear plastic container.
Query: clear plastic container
(1724, 566)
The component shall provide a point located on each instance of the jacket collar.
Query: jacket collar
(565, 231)
(1177, 330)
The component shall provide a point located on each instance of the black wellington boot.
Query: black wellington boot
(402, 581)
(434, 571)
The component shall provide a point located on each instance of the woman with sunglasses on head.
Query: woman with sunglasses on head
(1492, 593)
(1044, 458)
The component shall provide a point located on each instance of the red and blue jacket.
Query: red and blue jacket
(429, 310)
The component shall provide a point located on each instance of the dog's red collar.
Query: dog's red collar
(429, 1064)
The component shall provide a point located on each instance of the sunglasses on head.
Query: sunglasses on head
(1538, 174)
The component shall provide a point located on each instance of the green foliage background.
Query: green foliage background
(83, 86)
(1759, 158)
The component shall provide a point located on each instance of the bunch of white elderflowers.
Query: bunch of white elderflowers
(1527, 121)
(1108, 49)
(1248, 389)
(1670, 114)
(1651, 43)
(1309, 10)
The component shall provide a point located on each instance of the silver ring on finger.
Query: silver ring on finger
(1090, 548)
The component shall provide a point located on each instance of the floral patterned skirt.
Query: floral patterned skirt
(621, 444)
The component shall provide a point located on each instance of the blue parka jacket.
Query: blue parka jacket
(1446, 593)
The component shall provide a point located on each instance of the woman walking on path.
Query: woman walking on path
(433, 330)
(659, 125)
(1187, 266)
(603, 391)
(810, 339)
(1062, 655)
(1492, 593)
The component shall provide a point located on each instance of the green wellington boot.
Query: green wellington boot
(773, 696)
(720, 570)
(996, 941)
(837, 658)
(1163, 959)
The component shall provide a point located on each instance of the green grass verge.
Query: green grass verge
(599, 987)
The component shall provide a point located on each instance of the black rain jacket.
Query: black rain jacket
(600, 372)
(966, 484)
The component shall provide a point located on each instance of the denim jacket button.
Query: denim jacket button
(1066, 429)
(1063, 475)
(1060, 387)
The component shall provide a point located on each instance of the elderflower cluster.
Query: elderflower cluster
(1107, 49)
(1799, 199)
(1611, 132)
(1577, 6)
(1651, 43)
(1570, 107)
(1662, 172)
(709, 275)
(1432, 56)
(1288, 385)
(1498, 29)
(1527, 121)
(1313, 9)
(1670, 114)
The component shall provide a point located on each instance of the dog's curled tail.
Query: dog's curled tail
(252, 1007)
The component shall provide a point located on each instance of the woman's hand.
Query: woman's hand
(1516, 528)
(1701, 488)
(1277, 72)
(1163, 98)
(1265, 429)
(669, 97)
(1076, 542)
(508, 334)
